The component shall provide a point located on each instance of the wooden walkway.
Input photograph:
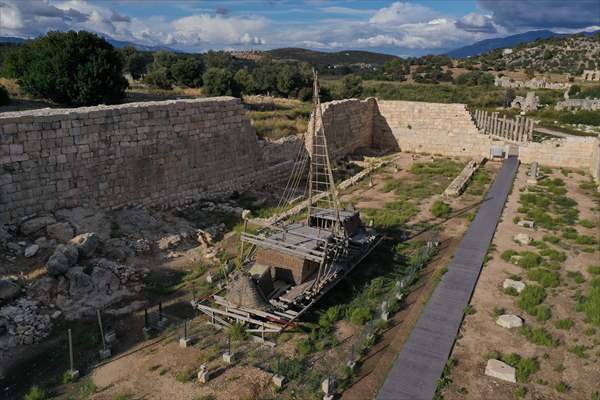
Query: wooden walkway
(419, 365)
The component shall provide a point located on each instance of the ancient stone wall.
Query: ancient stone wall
(167, 152)
(570, 152)
(434, 128)
(348, 125)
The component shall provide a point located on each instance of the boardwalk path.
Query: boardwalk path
(420, 364)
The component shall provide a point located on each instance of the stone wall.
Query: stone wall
(152, 153)
(348, 125)
(570, 152)
(434, 128)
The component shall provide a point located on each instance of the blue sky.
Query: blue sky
(410, 27)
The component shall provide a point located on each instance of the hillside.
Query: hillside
(560, 54)
(487, 45)
(314, 57)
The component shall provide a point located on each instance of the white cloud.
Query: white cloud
(217, 29)
(403, 13)
(10, 17)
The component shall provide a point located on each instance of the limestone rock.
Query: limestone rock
(32, 250)
(64, 257)
(500, 370)
(510, 283)
(43, 289)
(8, 290)
(104, 280)
(80, 283)
(34, 225)
(168, 242)
(61, 231)
(523, 238)
(526, 223)
(85, 243)
(509, 321)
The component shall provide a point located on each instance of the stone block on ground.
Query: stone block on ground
(8, 290)
(86, 244)
(61, 231)
(63, 258)
(500, 370)
(278, 380)
(31, 251)
(509, 321)
(510, 283)
(35, 225)
(522, 238)
(526, 223)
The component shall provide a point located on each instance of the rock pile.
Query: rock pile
(22, 323)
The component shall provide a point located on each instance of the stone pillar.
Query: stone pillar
(504, 130)
(530, 130)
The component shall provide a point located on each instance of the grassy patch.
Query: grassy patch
(539, 336)
(544, 277)
(576, 276)
(439, 209)
(565, 324)
(579, 350)
(529, 259)
(530, 298)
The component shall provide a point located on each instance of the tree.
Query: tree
(159, 77)
(474, 78)
(4, 99)
(134, 62)
(218, 82)
(244, 82)
(217, 59)
(71, 68)
(509, 96)
(351, 86)
(287, 80)
(188, 72)
(265, 76)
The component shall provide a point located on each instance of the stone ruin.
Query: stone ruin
(533, 83)
(527, 103)
(578, 104)
(591, 75)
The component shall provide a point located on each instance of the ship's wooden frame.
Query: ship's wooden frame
(287, 267)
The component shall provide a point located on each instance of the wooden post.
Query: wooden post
(504, 130)
(71, 351)
(515, 128)
(101, 329)
(242, 244)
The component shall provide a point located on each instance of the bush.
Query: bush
(187, 72)
(565, 324)
(594, 269)
(218, 82)
(562, 387)
(544, 277)
(507, 255)
(552, 239)
(530, 298)
(474, 78)
(159, 78)
(360, 315)
(539, 336)
(351, 87)
(576, 276)
(439, 209)
(586, 223)
(591, 306)
(70, 68)
(4, 99)
(35, 393)
(543, 313)
(529, 259)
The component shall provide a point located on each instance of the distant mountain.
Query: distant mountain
(314, 57)
(10, 39)
(497, 43)
(114, 42)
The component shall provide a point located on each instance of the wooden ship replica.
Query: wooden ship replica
(286, 267)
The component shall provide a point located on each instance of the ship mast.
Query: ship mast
(322, 192)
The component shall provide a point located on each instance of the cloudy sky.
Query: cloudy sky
(397, 27)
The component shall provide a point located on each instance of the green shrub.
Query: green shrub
(565, 324)
(544, 277)
(360, 315)
(507, 255)
(585, 240)
(586, 223)
(551, 238)
(185, 375)
(520, 392)
(511, 291)
(524, 366)
(570, 233)
(530, 298)
(498, 311)
(576, 276)
(594, 269)
(591, 306)
(218, 82)
(579, 350)
(529, 259)
(237, 331)
(35, 393)
(71, 68)
(4, 99)
(543, 313)
(539, 336)
(475, 78)
(562, 387)
(439, 209)
(469, 310)
(554, 255)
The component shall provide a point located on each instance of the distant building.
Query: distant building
(507, 51)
